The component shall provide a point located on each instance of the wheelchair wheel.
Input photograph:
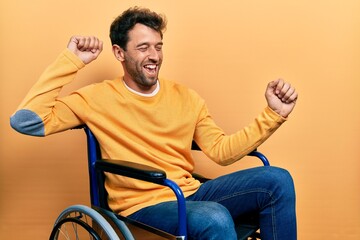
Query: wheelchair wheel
(81, 222)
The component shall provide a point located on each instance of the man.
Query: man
(144, 119)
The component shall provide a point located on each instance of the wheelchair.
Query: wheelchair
(99, 222)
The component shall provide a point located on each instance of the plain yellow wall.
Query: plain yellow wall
(225, 50)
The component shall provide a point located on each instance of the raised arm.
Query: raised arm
(281, 97)
(226, 149)
(41, 113)
(87, 48)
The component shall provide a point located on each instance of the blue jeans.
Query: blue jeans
(264, 192)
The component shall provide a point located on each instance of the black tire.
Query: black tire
(81, 222)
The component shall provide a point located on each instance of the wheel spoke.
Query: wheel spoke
(82, 223)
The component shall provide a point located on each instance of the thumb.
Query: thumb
(73, 44)
(271, 86)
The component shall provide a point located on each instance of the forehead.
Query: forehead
(143, 34)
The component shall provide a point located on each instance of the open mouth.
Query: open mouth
(150, 68)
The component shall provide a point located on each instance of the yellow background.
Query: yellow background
(225, 50)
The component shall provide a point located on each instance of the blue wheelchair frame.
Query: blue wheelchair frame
(97, 166)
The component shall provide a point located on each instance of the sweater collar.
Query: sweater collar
(156, 90)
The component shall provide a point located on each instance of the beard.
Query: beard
(138, 73)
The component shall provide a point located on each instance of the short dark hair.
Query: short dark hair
(121, 26)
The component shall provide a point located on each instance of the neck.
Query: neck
(145, 89)
(155, 89)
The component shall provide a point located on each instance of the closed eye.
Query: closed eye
(143, 48)
(158, 47)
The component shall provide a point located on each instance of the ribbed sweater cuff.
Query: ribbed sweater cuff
(274, 115)
(73, 58)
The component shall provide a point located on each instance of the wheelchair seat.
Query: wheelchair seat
(99, 222)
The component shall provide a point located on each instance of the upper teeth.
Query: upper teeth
(151, 66)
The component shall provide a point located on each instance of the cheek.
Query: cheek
(161, 57)
(132, 62)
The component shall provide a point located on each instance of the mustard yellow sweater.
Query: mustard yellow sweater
(156, 131)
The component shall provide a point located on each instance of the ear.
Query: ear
(118, 52)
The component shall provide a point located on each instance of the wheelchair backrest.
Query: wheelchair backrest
(98, 194)
(97, 189)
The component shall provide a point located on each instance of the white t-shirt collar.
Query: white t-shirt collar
(156, 90)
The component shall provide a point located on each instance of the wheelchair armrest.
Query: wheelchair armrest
(149, 174)
(132, 170)
(261, 156)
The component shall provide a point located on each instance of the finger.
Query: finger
(81, 43)
(87, 44)
(288, 94)
(272, 84)
(73, 43)
(279, 86)
(90, 42)
(282, 92)
(74, 39)
(95, 45)
(293, 98)
(270, 89)
(98, 48)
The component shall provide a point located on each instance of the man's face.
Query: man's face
(142, 58)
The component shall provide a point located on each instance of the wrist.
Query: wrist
(275, 112)
(74, 58)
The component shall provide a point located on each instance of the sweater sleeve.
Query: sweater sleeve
(41, 113)
(227, 149)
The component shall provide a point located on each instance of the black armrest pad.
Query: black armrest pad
(130, 169)
(194, 146)
(199, 177)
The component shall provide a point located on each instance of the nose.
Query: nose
(154, 54)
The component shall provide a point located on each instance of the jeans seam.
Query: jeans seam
(273, 214)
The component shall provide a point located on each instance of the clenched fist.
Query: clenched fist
(281, 97)
(87, 48)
